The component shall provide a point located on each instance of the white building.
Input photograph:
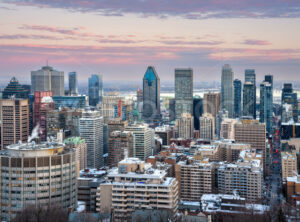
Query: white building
(227, 129)
(186, 126)
(207, 130)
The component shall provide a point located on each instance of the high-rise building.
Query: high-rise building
(136, 185)
(286, 113)
(237, 98)
(139, 95)
(223, 114)
(249, 103)
(120, 146)
(183, 92)
(91, 130)
(207, 129)
(48, 79)
(269, 79)
(15, 89)
(186, 126)
(172, 109)
(288, 164)
(227, 91)
(227, 129)
(195, 179)
(72, 102)
(44, 175)
(73, 83)
(14, 121)
(79, 145)
(142, 140)
(211, 103)
(43, 103)
(244, 178)
(197, 111)
(151, 95)
(290, 97)
(95, 89)
(266, 105)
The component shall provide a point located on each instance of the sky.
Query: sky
(120, 38)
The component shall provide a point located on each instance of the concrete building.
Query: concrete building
(136, 185)
(14, 121)
(288, 164)
(186, 126)
(142, 140)
(165, 133)
(211, 103)
(43, 103)
(48, 79)
(223, 114)
(151, 95)
(244, 178)
(91, 130)
(183, 92)
(227, 129)
(73, 84)
(79, 145)
(120, 145)
(195, 179)
(293, 189)
(43, 175)
(207, 129)
(227, 91)
(95, 89)
(116, 125)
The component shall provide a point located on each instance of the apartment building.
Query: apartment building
(288, 164)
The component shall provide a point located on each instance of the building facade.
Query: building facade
(237, 98)
(73, 83)
(186, 126)
(266, 105)
(290, 97)
(95, 89)
(79, 145)
(249, 100)
(207, 129)
(227, 92)
(15, 89)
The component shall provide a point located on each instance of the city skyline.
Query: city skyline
(120, 41)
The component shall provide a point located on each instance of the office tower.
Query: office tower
(223, 114)
(95, 89)
(105, 140)
(245, 178)
(154, 190)
(116, 125)
(237, 98)
(227, 129)
(91, 130)
(266, 105)
(139, 95)
(211, 103)
(14, 121)
(227, 90)
(197, 111)
(207, 129)
(72, 102)
(253, 133)
(164, 132)
(151, 95)
(15, 89)
(142, 140)
(249, 103)
(44, 175)
(288, 164)
(48, 79)
(171, 110)
(286, 113)
(290, 97)
(79, 145)
(269, 79)
(183, 92)
(120, 146)
(186, 126)
(73, 83)
(63, 119)
(195, 179)
(43, 103)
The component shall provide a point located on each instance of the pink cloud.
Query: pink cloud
(255, 42)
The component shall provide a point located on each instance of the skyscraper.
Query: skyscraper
(91, 130)
(73, 83)
(95, 89)
(207, 129)
(266, 105)
(211, 103)
(183, 92)
(14, 121)
(227, 89)
(186, 126)
(151, 95)
(290, 97)
(197, 110)
(15, 89)
(249, 100)
(48, 79)
(237, 97)
(249, 103)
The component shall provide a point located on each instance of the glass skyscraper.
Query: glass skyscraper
(95, 89)
(290, 97)
(249, 94)
(151, 95)
(237, 97)
(227, 89)
(266, 103)
(73, 83)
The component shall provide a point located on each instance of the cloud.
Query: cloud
(31, 37)
(190, 9)
(255, 42)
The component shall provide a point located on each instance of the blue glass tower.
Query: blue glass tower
(249, 94)
(266, 102)
(290, 97)
(95, 89)
(237, 84)
(151, 95)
